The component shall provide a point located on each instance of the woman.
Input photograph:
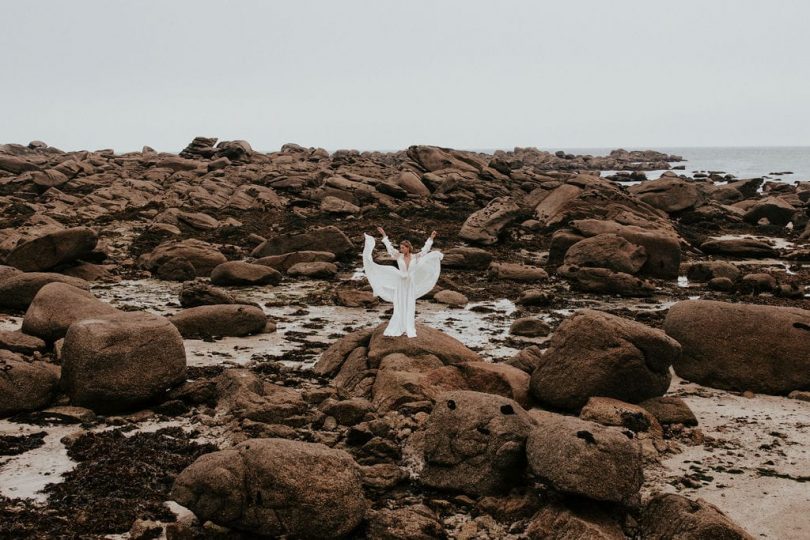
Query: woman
(415, 275)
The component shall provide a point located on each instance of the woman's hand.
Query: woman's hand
(433, 235)
(381, 231)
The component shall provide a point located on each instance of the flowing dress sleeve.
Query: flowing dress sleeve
(384, 279)
(427, 270)
(393, 253)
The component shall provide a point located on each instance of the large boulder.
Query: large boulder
(410, 182)
(316, 270)
(516, 272)
(329, 239)
(416, 522)
(428, 341)
(668, 515)
(244, 273)
(484, 226)
(332, 359)
(220, 320)
(25, 386)
(434, 158)
(53, 249)
(605, 281)
(16, 165)
(467, 258)
(275, 487)
(202, 256)
(739, 247)
(573, 522)
(242, 394)
(670, 410)
(487, 377)
(399, 380)
(593, 353)
(475, 443)
(777, 211)
(669, 194)
(661, 245)
(742, 346)
(589, 196)
(705, 271)
(121, 361)
(286, 260)
(58, 305)
(199, 293)
(585, 458)
(18, 291)
(17, 341)
(607, 251)
(553, 209)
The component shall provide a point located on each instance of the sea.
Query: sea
(779, 163)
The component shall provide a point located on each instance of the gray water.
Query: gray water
(742, 162)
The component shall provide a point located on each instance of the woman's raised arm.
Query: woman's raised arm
(393, 253)
(428, 244)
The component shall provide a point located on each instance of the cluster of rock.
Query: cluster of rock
(480, 434)
(568, 426)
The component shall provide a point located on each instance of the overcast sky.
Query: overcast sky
(376, 74)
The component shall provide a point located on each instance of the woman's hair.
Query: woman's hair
(407, 243)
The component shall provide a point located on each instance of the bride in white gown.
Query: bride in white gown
(415, 275)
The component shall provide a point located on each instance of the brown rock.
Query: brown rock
(53, 249)
(452, 298)
(584, 522)
(244, 273)
(530, 327)
(286, 260)
(316, 270)
(607, 251)
(25, 386)
(58, 305)
(18, 291)
(121, 361)
(605, 281)
(485, 225)
(776, 210)
(416, 522)
(329, 239)
(741, 346)
(468, 258)
(584, 458)
(199, 293)
(220, 320)
(597, 354)
(201, 255)
(669, 194)
(517, 272)
(673, 516)
(275, 487)
(612, 412)
(738, 247)
(428, 341)
(16, 341)
(670, 410)
(474, 443)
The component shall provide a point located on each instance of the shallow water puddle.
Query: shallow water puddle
(313, 327)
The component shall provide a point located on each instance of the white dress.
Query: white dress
(404, 284)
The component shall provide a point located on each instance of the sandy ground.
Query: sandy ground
(754, 464)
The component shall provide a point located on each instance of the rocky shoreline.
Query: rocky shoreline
(189, 349)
